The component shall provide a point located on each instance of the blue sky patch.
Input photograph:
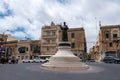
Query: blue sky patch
(7, 12)
(63, 1)
(27, 37)
(20, 29)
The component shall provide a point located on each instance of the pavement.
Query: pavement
(33, 71)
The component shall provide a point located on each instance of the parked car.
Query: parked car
(36, 60)
(91, 60)
(44, 60)
(111, 59)
(27, 61)
(39, 60)
(47, 59)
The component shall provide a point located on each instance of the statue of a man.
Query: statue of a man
(64, 29)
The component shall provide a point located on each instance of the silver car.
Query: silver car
(36, 60)
(27, 61)
(39, 60)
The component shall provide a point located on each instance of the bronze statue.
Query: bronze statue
(64, 29)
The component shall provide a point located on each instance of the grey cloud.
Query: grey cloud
(77, 13)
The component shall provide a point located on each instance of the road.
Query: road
(32, 71)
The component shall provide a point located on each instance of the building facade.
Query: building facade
(49, 38)
(28, 49)
(78, 41)
(94, 53)
(7, 45)
(47, 46)
(10, 46)
(52, 34)
(109, 41)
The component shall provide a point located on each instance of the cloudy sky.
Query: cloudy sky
(24, 18)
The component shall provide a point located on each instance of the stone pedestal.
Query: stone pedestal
(65, 59)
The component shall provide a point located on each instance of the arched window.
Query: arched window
(115, 34)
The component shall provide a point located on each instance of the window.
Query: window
(110, 44)
(114, 35)
(48, 33)
(22, 57)
(48, 41)
(53, 41)
(72, 45)
(26, 57)
(72, 35)
(36, 49)
(47, 49)
(26, 49)
(22, 49)
(53, 33)
(107, 35)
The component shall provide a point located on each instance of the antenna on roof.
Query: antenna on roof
(99, 23)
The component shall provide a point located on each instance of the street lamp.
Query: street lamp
(4, 37)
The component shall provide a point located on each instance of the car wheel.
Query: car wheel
(115, 62)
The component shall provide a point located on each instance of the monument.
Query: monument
(64, 32)
(64, 58)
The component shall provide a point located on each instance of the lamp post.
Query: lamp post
(4, 37)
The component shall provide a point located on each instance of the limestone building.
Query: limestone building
(28, 49)
(47, 46)
(78, 41)
(49, 38)
(94, 53)
(51, 35)
(10, 46)
(109, 41)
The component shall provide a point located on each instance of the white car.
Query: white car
(36, 60)
(43, 60)
(39, 60)
(47, 59)
(27, 61)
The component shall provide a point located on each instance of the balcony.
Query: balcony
(49, 44)
(48, 28)
(49, 36)
(116, 40)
